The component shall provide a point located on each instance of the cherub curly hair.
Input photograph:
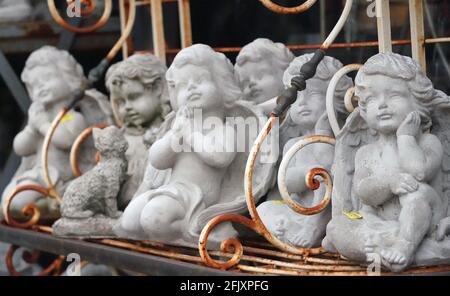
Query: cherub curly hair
(263, 49)
(397, 66)
(217, 64)
(62, 59)
(146, 68)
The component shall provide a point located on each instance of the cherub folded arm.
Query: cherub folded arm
(161, 155)
(212, 148)
(25, 142)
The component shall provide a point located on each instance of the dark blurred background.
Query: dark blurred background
(220, 23)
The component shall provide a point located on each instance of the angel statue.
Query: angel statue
(50, 76)
(259, 70)
(391, 169)
(196, 170)
(138, 90)
(306, 117)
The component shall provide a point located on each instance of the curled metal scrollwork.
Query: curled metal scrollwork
(310, 180)
(348, 96)
(90, 8)
(255, 223)
(288, 10)
(31, 258)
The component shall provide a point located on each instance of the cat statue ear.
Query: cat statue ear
(97, 135)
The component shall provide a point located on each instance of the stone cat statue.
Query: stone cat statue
(89, 205)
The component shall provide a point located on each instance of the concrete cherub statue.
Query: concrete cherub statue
(50, 76)
(204, 174)
(306, 117)
(89, 205)
(259, 70)
(391, 169)
(138, 90)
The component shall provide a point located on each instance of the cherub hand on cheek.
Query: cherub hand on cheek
(183, 121)
(410, 126)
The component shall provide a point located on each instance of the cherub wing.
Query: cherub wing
(95, 108)
(441, 128)
(154, 134)
(354, 135)
(232, 191)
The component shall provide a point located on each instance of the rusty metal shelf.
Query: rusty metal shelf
(159, 259)
(102, 254)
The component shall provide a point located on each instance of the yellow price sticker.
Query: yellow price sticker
(352, 215)
(68, 117)
(279, 202)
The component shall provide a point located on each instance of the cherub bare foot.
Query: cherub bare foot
(399, 255)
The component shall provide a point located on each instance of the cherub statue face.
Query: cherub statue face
(193, 86)
(47, 84)
(259, 81)
(137, 105)
(388, 102)
(310, 104)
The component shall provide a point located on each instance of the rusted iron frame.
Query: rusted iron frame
(417, 32)
(272, 253)
(60, 21)
(103, 254)
(305, 259)
(31, 258)
(316, 46)
(293, 265)
(384, 26)
(196, 259)
(30, 211)
(297, 266)
(159, 41)
(137, 246)
(282, 271)
(123, 22)
(184, 15)
(125, 32)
